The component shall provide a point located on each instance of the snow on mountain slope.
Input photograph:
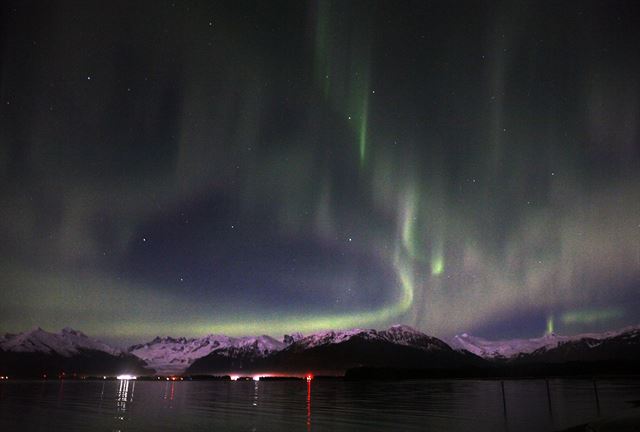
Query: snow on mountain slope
(173, 355)
(504, 348)
(397, 334)
(331, 337)
(513, 347)
(260, 345)
(294, 337)
(405, 335)
(66, 343)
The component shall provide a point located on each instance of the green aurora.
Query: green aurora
(324, 166)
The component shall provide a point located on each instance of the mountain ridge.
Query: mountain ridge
(504, 349)
(42, 354)
(336, 350)
(174, 355)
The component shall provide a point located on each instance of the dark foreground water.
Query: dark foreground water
(425, 405)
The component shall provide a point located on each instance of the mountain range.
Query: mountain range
(333, 352)
(37, 352)
(169, 355)
(622, 344)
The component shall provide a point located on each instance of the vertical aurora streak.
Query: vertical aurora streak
(550, 327)
(437, 264)
(331, 35)
(362, 128)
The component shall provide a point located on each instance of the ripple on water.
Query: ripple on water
(451, 405)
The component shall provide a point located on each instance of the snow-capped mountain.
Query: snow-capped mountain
(397, 334)
(405, 335)
(67, 343)
(511, 348)
(506, 348)
(294, 337)
(622, 346)
(336, 351)
(173, 355)
(38, 353)
(169, 355)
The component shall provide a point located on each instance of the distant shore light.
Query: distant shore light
(126, 377)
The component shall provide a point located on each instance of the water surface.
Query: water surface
(433, 405)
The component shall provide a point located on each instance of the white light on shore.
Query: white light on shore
(126, 377)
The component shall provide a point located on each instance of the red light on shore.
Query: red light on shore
(309, 377)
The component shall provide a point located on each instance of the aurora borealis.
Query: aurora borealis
(187, 168)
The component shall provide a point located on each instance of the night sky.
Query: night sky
(266, 167)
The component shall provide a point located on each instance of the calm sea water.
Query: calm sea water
(425, 405)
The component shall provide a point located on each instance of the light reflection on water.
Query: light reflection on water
(434, 405)
(308, 405)
(124, 397)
